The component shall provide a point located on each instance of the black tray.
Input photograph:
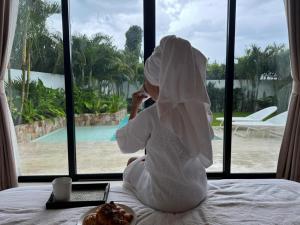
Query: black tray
(87, 194)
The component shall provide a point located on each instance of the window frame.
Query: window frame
(149, 44)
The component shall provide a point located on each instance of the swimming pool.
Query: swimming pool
(88, 134)
(84, 134)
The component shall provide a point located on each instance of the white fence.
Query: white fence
(50, 80)
(58, 81)
(265, 86)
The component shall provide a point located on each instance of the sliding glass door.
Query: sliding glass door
(75, 65)
(208, 34)
(106, 40)
(262, 85)
(35, 87)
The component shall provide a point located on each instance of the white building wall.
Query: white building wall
(265, 86)
(50, 80)
(58, 81)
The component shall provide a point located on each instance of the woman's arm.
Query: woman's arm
(135, 134)
(137, 99)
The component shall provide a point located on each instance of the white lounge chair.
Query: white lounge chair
(275, 122)
(254, 117)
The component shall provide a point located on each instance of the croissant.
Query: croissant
(109, 214)
(90, 219)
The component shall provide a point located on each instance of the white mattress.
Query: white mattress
(228, 202)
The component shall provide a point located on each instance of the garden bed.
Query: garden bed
(28, 132)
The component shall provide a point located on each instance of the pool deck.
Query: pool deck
(256, 152)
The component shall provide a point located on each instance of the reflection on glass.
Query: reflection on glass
(35, 88)
(206, 33)
(108, 68)
(262, 80)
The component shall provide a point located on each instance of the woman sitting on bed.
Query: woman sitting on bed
(175, 130)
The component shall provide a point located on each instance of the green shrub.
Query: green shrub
(266, 101)
(43, 102)
(116, 103)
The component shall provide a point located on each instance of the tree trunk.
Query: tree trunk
(23, 86)
(82, 76)
(127, 96)
(23, 66)
(58, 59)
(90, 79)
(28, 70)
(241, 106)
(257, 82)
(9, 90)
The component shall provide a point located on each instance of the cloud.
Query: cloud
(112, 18)
(260, 23)
(203, 23)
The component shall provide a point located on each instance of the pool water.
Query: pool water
(84, 134)
(88, 134)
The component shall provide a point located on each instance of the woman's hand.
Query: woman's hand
(137, 99)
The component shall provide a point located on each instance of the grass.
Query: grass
(220, 114)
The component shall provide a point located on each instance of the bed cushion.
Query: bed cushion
(228, 202)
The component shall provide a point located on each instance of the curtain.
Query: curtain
(8, 19)
(289, 156)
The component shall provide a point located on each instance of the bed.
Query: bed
(271, 201)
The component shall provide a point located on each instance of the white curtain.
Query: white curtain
(8, 19)
(289, 157)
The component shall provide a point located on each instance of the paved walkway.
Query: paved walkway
(254, 153)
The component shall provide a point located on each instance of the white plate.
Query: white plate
(125, 207)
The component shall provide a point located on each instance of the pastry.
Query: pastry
(90, 219)
(109, 214)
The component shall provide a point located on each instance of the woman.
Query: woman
(175, 131)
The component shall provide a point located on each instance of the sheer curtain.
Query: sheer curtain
(289, 157)
(8, 18)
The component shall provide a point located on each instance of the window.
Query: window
(36, 90)
(262, 80)
(208, 34)
(68, 102)
(107, 68)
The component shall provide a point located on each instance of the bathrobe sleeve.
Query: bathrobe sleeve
(135, 134)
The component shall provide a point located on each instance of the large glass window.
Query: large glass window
(35, 89)
(107, 67)
(203, 23)
(107, 55)
(262, 80)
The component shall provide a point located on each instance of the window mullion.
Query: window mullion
(229, 78)
(69, 88)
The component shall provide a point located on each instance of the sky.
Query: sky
(202, 22)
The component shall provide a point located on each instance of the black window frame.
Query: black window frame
(149, 44)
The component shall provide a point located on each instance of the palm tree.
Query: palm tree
(58, 66)
(29, 42)
(79, 58)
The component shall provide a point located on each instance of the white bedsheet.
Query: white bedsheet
(229, 202)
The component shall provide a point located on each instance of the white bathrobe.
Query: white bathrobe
(175, 131)
(168, 180)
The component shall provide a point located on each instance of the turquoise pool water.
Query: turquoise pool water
(84, 134)
(87, 134)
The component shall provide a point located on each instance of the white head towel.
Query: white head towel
(183, 103)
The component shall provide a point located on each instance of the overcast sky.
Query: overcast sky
(202, 22)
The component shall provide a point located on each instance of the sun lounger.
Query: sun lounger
(274, 122)
(257, 116)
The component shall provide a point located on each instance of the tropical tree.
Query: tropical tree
(79, 61)
(132, 56)
(32, 44)
(134, 41)
(271, 63)
(215, 71)
(58, 49)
